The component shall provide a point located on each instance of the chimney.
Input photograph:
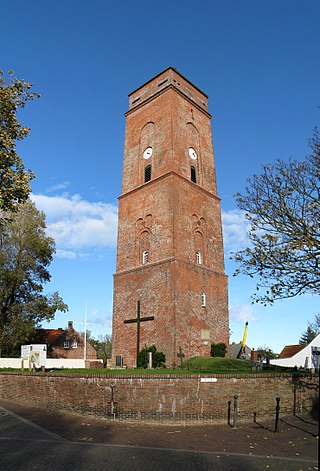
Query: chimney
(70, 325)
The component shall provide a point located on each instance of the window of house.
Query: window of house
(193, 174)
(199, 258)
(147, 173)
(145, 257)
(203, 300)
(74, 344)
(66, 344)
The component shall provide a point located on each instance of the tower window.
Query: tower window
(145, 257)
(199, 258)
(193, 174)
(203, 300)
(147, 173)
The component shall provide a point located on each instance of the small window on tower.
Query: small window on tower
(203, 300)
(145, 257)
(199, 258)
(193, 174)
(147, 173)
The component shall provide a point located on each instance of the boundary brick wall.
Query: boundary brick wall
(164, 397)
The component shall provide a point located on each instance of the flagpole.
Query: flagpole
(85, 334)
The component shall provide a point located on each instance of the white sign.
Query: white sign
(208, 380)
(36, 354)
(25, 352)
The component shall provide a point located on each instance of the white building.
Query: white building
(308, 357)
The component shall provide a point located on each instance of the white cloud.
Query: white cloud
(242, 312)
(77, 224)
(57, 187)
(235, 228)
(66, 254)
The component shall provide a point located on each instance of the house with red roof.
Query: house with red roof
(65, 343)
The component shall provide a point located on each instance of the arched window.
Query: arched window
(145, 257)
(193, 174)
(203, 300)
(147, 173)
(198, 258)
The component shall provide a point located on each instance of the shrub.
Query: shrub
(218, 349)
(158, 358)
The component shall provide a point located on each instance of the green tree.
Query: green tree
(283, 206)
(14, 178)
(307, 336)
(158, 358)
(218, 349)
(311, 332)
(266, 352)
(25, 254)
(102, 345)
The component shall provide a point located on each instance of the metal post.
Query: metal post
(276, 425)
(235, 411)
(138, 333)
(229, 412)
(112, 386)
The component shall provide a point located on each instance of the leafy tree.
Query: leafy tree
(312, 331)
(158, 358)
(265, 352)
(102, 345)
(283, 207)
(14, 178)
(25, 254)
(218, 349)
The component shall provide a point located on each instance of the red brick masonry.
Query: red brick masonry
(165, 397)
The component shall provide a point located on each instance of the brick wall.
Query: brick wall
(164, 397)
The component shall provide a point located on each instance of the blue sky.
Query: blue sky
(258, 61)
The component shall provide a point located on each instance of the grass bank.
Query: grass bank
(197, 365)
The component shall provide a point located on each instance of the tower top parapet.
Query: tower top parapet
(168, 78)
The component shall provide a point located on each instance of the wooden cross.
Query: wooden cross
(138, 320)
(180, 355)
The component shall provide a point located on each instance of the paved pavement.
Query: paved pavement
(33, 439)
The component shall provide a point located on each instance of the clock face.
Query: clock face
(147, 153)
(192, 153)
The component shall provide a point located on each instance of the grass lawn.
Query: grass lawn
(197, 365)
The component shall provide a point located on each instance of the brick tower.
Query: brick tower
(170, 250)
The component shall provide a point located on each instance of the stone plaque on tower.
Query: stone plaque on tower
(170, 248)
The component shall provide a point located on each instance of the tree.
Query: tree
(218, 349)
(266, 352)
(25, 254)
(283, 207)
(14, 178)
(307, 336)
(102, 345)
(312, 331)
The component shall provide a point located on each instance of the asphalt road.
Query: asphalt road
(27, 446)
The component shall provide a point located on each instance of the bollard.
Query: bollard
(112, 386)
(276, 425)
(43, 370)
(235, 407)
(229, 412)
(255, 417)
